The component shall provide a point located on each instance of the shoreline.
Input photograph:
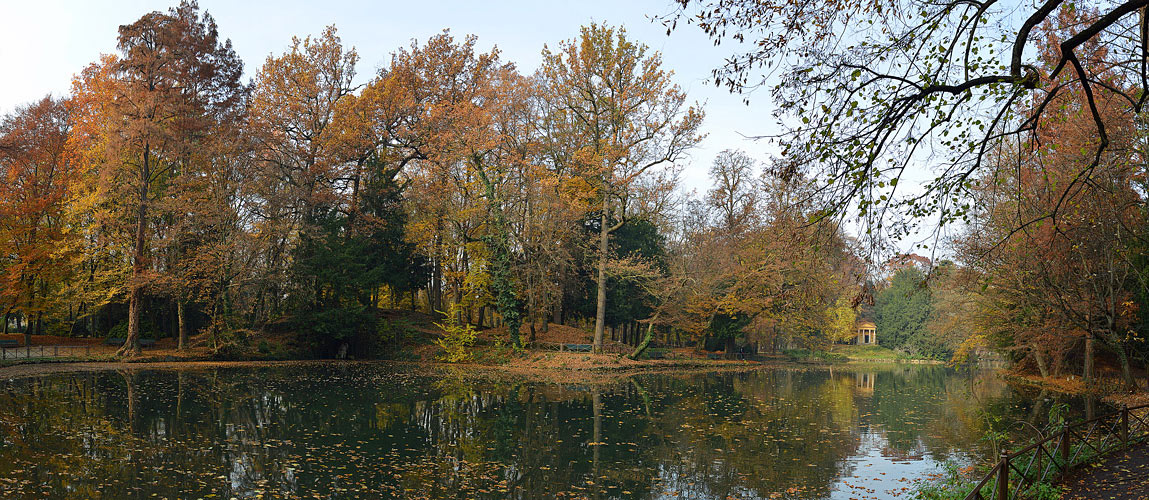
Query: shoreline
(1107, 390)
(580, 366)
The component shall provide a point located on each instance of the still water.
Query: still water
(385, 431)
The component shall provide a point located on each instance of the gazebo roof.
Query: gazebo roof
(866, 324)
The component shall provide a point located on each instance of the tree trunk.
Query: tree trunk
(600, 311)
(132, 343)
(645, 339)
(730, 346)
(1088, 370)
(181, 314)
(1126, 369)
(435, 294)
(1041, 366)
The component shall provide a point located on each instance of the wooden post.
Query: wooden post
(1003, 477)
(1124, 424)
(1064, 446)
(1040, 448)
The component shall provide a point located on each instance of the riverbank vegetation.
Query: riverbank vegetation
(453, 206)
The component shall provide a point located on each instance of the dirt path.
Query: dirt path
(1122, 476)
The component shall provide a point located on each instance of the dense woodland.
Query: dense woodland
(167, 196)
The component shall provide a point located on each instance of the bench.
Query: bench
(121, 340)
(713, 355)
(577, 347)
(9, 343)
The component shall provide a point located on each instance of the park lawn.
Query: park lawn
(870, 353)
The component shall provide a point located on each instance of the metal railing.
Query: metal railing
(1015, 473)
(44, 351)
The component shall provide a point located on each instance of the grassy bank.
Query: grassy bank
(878, 354)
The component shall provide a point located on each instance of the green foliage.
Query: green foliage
(344, 259)
(497, 239)
(148, 330)
(626, 299)
(902, 312)
(457, 338)
(396, 331)
(728, 326)
(954, 483)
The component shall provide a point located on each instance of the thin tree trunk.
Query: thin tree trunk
(1088, 370)
(28, 332)
(600, 303)
(181, 314)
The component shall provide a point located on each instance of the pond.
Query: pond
(363, 430)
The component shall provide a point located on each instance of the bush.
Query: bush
(326, 329)
(457, 338)
(120, 331)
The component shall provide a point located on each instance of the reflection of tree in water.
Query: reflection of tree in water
(368, 430)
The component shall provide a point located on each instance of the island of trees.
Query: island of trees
(165, 196)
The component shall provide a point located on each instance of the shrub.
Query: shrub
(457, 338)
(120, 331)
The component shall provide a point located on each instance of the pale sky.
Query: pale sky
(43, 43)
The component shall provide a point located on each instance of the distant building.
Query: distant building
(866, 333)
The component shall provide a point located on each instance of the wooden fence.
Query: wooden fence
(1049, 458)
(44, 351)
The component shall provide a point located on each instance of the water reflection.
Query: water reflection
(377, 431)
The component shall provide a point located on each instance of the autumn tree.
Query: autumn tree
(1064, 259)
(171, 85)
(626, 116)
(36, 174)
(300, 176)
(735, 192)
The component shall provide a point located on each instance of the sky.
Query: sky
(43, 43)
